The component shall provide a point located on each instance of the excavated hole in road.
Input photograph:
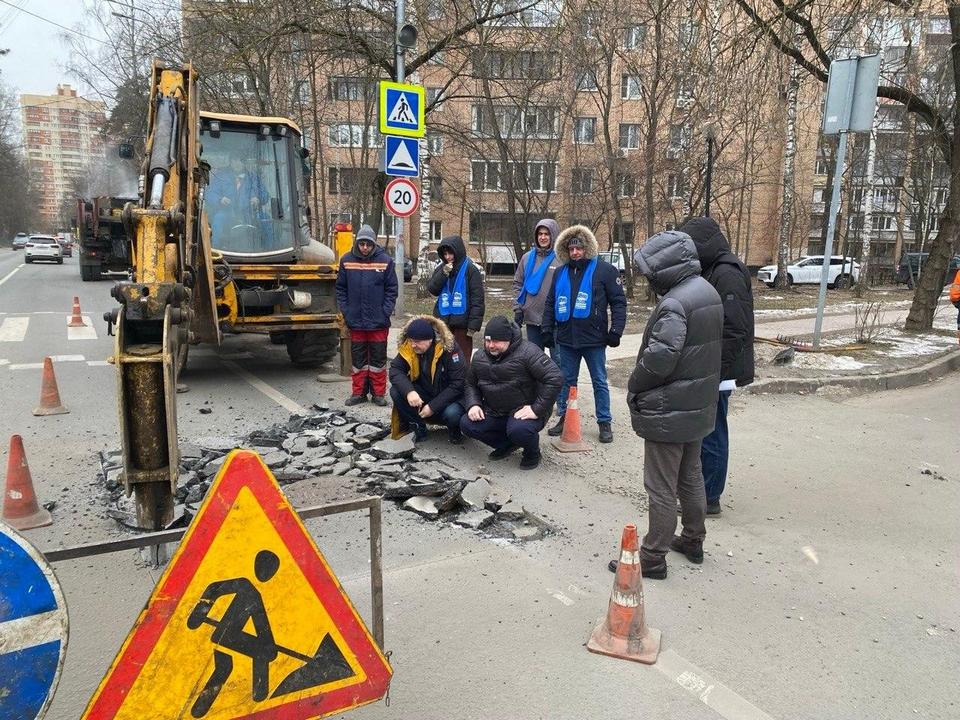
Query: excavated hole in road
(331, 442)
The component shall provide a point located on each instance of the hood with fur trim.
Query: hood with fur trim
(444, 334)
(590, 246)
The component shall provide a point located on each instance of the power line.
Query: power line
(51, 22)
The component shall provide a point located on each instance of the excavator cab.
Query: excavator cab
(255, 201)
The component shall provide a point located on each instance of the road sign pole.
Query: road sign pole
(401, 11)
(828, 245)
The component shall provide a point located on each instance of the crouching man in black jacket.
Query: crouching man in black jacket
(426, 380)
(510, 392)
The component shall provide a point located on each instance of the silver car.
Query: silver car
(43, 247)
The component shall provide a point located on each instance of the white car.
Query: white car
(614, 258)
(807, 269)
(43, 247)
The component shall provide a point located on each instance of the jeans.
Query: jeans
(535, 335)
(715, 452)
(450, 416)
(672, 471)
(497, 432)
(596, 359)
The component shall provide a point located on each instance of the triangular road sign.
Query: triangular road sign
(403, 156)
(402, 111)
(248, 620)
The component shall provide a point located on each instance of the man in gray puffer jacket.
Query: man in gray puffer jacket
(672, 395)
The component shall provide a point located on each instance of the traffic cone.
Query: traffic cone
(624, 632)
(76, 320)
(571, 439)
(20, 508)
(49, 394)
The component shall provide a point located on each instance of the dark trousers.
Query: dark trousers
(535, 335)
(450, 416)
(464, 339)
(498, 432)
(715, 452)
(368, 351)
(671, 471)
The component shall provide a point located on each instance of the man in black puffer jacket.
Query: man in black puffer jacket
(510, 391)
(672, 395)
(458, 287)
(731, 279)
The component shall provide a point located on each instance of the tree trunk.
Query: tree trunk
(789, 154)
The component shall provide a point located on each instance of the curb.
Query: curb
(887, 381)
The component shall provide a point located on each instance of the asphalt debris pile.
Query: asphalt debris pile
(331, 442)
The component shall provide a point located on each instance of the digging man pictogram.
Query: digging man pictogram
(246, 606)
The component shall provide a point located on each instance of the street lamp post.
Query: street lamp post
(709, 132)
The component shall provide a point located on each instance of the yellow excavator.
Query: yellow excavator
(220, 244)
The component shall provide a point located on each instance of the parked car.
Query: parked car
(42, 247)
(911, 266)
(844, 271)
(615, 258)
(19, 240)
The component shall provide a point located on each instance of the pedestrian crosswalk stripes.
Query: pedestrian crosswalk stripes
(14, 329)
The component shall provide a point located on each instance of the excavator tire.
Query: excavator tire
(312, 348)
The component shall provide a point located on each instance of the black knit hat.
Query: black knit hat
(421, 329)
(498, 328)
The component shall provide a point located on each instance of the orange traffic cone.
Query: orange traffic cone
(49, 394)
(624, 632)
(571, 439)
(76, 320)
(20, 508)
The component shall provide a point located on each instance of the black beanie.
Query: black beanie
(498, 328)
(421, 329)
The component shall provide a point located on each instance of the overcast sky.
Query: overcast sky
(34, 63)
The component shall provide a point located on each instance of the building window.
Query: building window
(586, 80)
(584, 130)
(349, 88)
(536, 175)
(626, 186)
(354, 135)
(633, 36)
(891, 117)
(676, 186)
(434, 103)
(687, 33)
(513, 122)
(436, 231)
(436, 187)
(582, 181)
(680, 136)
(348, 180)
(629, 136)
(630, 87)
(590, 23)
(515, 64)
(884, 221)
(685, 91)
(434, 144)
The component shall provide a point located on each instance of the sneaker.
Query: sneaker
(379, 400)
(501, 452)
(654, 571)
(714, 508)
(529, 462)
(355, 400)
(693, 549)
(606, 434)
(557, 429)
(455, 436)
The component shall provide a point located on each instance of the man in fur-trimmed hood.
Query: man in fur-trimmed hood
(576, 320)
(426, 379)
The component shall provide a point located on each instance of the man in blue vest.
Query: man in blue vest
(532, 280)
(576, 321)
(458, 287)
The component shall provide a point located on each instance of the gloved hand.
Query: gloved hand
(613, 340)
(447, 268)
(518, 317)
(547, 340)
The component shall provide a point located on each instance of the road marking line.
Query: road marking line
(87, 332)
(98, 363)
(271, 392)
(31, 631)
(26, 366)
(10, 274)
(711, 692)
(67, 358)
(14, 329)
(35, 312)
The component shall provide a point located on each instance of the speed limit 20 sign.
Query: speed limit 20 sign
(402, 197)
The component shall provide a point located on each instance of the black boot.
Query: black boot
(693, 549)
(606, 434)
(557, 429)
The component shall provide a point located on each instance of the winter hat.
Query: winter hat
(421, 329)
(366, 233)
(575, 241)
(498, 328)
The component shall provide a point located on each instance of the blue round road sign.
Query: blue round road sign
(33, 629)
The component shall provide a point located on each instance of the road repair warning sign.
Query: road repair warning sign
(248, 621)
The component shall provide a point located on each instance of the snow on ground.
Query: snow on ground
(827, 361)
(901, 345)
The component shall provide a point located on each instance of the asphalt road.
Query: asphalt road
(829, 588)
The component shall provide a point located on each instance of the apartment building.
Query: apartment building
(62, 137)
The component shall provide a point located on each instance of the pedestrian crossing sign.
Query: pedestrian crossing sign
(402, 109)
(248, 620)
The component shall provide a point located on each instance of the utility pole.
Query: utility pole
(398, 250)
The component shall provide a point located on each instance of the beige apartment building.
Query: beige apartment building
(62, 136)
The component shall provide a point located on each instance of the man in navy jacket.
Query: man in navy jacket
(366, 295)
(576, 321)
